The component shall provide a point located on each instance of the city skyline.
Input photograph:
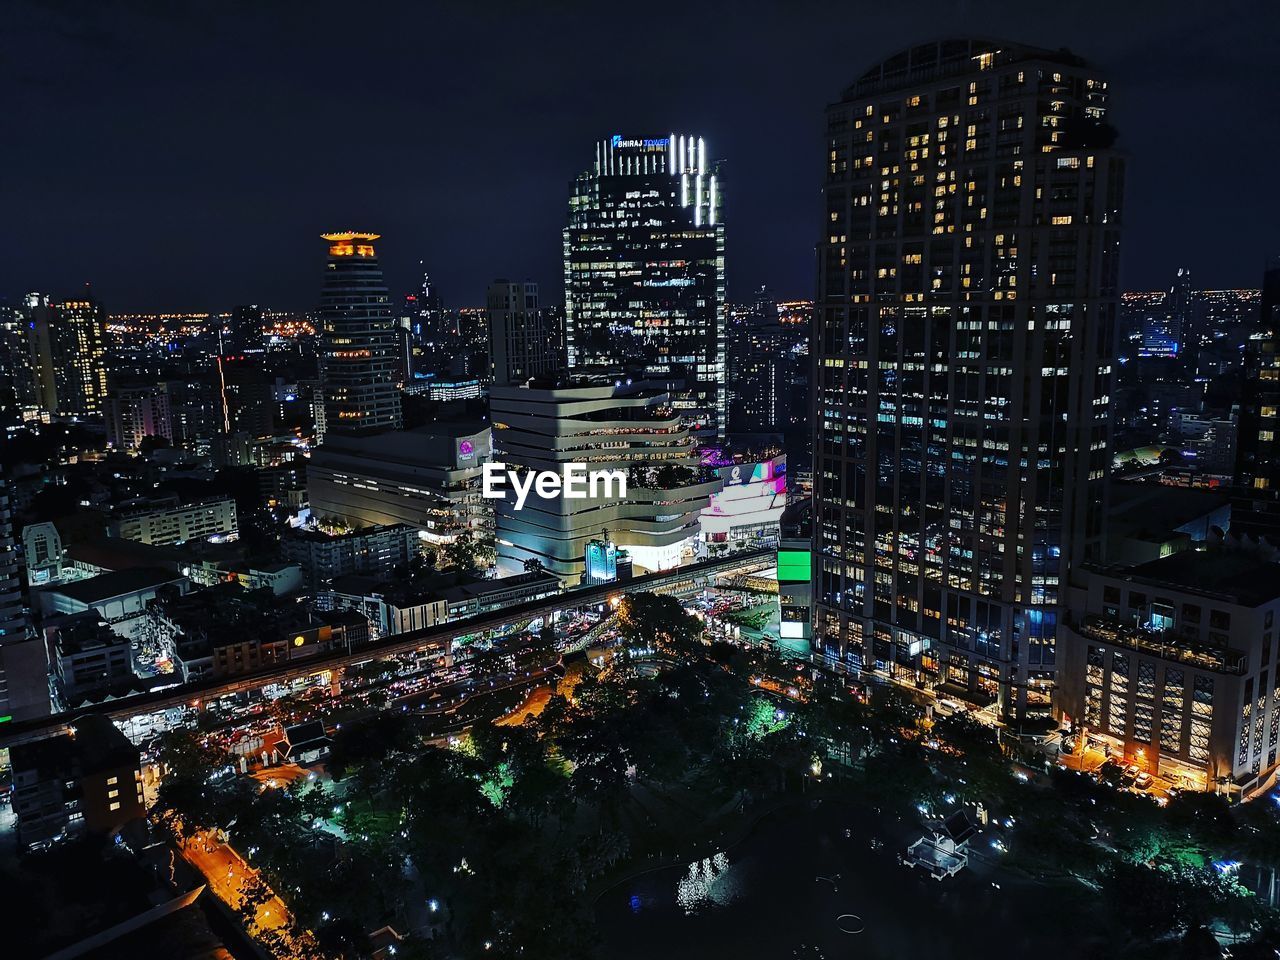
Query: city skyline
(858, 542)
(154, 143)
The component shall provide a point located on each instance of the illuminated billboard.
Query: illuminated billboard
(795, 566)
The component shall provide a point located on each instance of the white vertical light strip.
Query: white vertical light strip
(671, 145)
(711, 205)
(599, 144)
(684, 189)
(682, 153)
(697, 203)
(702, 155)
(693, 155)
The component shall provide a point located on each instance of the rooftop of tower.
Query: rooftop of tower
(350, 243)
(940, 58)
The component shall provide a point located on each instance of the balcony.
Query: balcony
(1164, 644)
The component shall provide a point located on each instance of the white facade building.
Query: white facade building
(605, 424)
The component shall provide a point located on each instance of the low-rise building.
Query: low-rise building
(1175, 665)
(746, 513)
(42, 550)
(204, 563)
(388, 608)
(403, 606)
(90, 557)
(614, 426)
(473, 595)
(374, 551)
(281, 579)
(167, 521)
(1146, 521)
(115, 596)
(229, 631)
(428, 478)
(88, 781)
(305, 743)
(90, 661)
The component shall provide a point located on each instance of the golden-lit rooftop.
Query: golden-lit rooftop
(348, 236)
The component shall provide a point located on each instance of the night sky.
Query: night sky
(186, 155)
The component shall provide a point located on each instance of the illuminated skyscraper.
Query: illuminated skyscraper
(68, 346)
(964, 350)
(18, 397)
(1166, 330)
(644, 271)
(359, 356)
(1258, 451)
(428, 324)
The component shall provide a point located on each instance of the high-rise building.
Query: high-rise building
(1179, 305)
(24, 663)
(359, 359)
(244, 331)
(607, 425)
(428, 323)
(964, 348)
(246, 396)
(18, 399)
(768, 370)
(1166, 329)
(134, 413)
(68, 346)
(196, 412)
(1258, 451)
(644, 271)
(521, 343)
(13, 615)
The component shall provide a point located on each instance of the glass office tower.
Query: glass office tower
(644, 271)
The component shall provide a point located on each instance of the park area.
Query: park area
(585, 824)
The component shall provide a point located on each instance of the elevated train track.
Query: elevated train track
(682, 580)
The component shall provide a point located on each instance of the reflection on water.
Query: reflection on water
(773, 895)
(706, 882)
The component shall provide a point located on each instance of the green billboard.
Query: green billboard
(794, 566)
